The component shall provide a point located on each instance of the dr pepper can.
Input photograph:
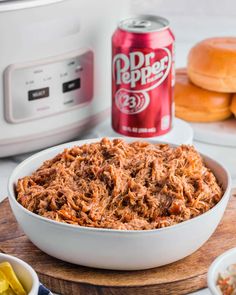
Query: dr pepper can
(143, 77)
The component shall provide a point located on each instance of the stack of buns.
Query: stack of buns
(204, 91)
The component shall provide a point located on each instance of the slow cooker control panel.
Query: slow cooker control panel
(47, 87)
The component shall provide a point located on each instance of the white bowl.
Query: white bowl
(24, 273)
(219, 265)
(115, 249)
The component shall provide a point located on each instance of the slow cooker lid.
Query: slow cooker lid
(7, 5)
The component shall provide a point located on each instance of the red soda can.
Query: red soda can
(143, 77)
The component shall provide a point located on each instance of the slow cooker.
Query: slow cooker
(55, 67)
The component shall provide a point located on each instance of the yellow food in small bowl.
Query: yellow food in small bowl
(9, 283)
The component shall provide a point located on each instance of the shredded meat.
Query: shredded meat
(119, 185)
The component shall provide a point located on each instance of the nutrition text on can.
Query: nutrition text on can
(142, 77)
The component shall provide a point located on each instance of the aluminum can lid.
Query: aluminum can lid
(144, 24)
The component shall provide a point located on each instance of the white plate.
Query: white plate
(182, 133)
(220, 133)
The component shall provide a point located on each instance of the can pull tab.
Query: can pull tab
(140, 24)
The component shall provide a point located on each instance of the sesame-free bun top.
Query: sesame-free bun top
(196, 104)
(212, 64)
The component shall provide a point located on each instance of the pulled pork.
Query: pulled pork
(119, 185)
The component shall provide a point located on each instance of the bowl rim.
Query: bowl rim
(212, 270)
(27, 161)
(25, 265)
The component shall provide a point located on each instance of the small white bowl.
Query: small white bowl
(24, 273)
(220, 264)
(115, 249)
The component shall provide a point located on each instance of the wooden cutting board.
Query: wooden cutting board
(182, 277)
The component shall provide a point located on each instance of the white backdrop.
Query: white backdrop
(192, 20)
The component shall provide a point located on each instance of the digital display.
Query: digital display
(71, 85)
(38, 93)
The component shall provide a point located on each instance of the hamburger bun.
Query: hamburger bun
(233, 105)
(212, 64)
(195, 104)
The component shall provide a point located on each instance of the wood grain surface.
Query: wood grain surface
(182, 277)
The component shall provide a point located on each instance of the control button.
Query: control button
(71, 85)
(38, 93)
